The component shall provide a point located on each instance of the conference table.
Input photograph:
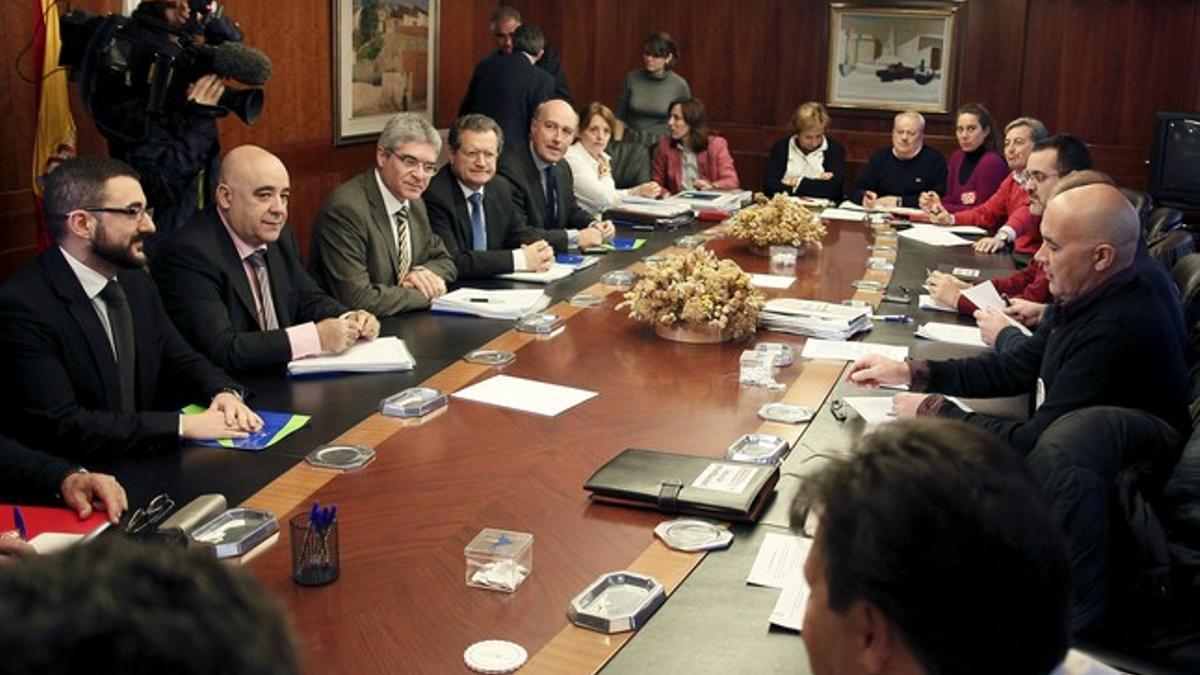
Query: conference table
(401, 603)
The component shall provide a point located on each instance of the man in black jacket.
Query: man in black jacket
(90, 354)
(475, 212)
(503, 23)
(233, 282)
(1107, 340)
(545, 183)
(508, 87)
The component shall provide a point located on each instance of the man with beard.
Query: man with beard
(90, 353)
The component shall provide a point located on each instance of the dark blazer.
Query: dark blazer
(516, 164)
(58, 357)
(353, 254)
(834, 163)
(551, 62)
(205, 290)
(630, 163)
(508, 88)
(450, 217)
(28, 473)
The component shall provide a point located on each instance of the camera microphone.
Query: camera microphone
(241, 63)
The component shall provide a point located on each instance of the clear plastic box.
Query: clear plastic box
(499, 560)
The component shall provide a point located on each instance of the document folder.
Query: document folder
(685, 484)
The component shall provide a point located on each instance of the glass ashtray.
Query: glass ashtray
(786, 413)
(344, 457)
(622, 279)
(541, 323)
(586, 300)
(235, 532)
(758, 449)
(490, 357)
(617, 602)
(689, 241)
(413, 402)
(693, 534)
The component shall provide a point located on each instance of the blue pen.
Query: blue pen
(19, 521)
(893, 318)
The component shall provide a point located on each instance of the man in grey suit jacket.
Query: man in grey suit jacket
(474, 213)
(372, 247)
(545, 183)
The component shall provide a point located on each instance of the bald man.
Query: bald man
(545, 183)
(233, 282)
(1107, 339)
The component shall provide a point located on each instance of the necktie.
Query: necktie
(551, 198)
(121, 323)
(404, 249)
(267, 320)
(478, 231)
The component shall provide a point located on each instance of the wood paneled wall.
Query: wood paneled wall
(1095, 68)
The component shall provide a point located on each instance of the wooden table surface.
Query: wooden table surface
(401, 604)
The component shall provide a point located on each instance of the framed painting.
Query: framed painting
(892, 58)
(384, 62)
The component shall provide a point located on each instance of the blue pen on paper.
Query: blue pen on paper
(893, 318)
(19, 522)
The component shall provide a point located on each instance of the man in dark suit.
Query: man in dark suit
(90, 352)
(508, 87)
(372, 247)
(544, 182)
(503, 23)
(233, 281)
(474, 212)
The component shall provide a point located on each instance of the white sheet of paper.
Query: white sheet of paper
(379, 355)
(518, 393)
(842, 350)
(933, 235)
(985, 296)
(790, 606)
(966, 229)
(772, 281)
(53, 542)
(948, 332)
(873, 409)
(557, 271)
(927, 302)
(843, 214)
(779, 558)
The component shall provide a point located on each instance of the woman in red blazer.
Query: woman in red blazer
(691, 158)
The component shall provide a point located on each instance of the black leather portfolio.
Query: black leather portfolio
(685, 484)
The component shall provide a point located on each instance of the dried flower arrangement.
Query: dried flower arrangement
(776, 221)
(696, 289)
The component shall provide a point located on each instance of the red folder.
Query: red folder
(40, 519)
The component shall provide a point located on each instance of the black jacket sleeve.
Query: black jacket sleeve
(835, 163)
(28, 473)
(776, 167)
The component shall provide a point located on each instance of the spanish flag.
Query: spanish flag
(55, 139)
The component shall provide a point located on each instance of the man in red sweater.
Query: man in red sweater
(1007, 212)
(1051, 159)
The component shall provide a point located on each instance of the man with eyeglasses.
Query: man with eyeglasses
(234, 283)
(508, 87)
(1028, 288)
(545, 183)
(96, 366)
(473, 210)
(372, 247)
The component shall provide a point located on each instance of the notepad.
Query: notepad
(380, 355)
(933, 235)
(491, 304)
(518, 393)
(557, 271)
(53, 528)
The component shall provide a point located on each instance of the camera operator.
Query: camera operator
(155, 90)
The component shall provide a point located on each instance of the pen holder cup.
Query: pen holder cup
(314, 552)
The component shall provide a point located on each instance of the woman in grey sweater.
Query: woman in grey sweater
(649, 91)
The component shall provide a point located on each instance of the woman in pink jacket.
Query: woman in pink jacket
(691, 158)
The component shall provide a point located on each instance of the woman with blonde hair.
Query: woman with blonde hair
(593, 167)
(807, 163)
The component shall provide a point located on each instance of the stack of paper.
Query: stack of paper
(948, 332)
(780, 564)
(557, 271)
(377, 356)
(715, 200)
(491, 304)
(640, 210)
(818, 319)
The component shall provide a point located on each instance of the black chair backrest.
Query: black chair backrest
(1162, 220)
(1142, 202)
(1186, 275)
(1172, 246)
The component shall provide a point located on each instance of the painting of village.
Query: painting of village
(384, 53)
(891, 58)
